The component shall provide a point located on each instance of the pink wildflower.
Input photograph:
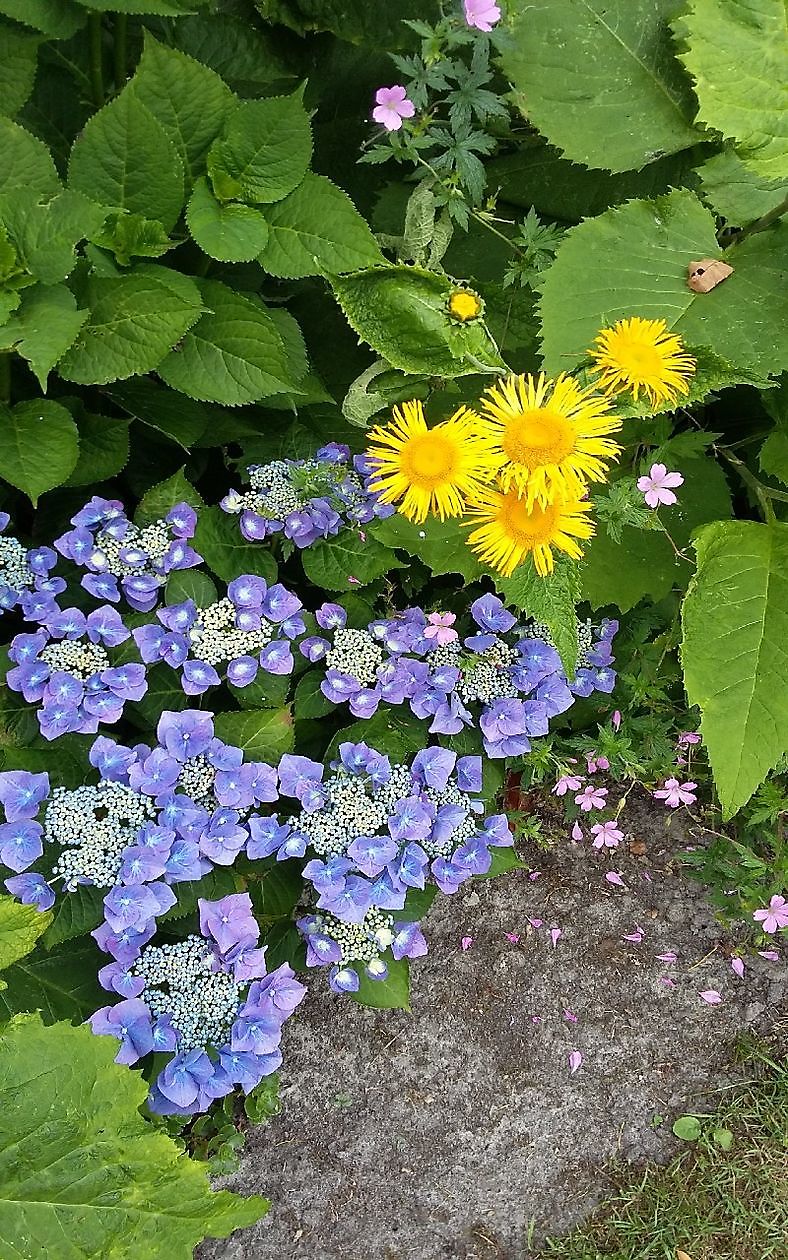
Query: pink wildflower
(675, 793)
(591, 797)
(615, 720)
(688, 737)
(774, 916)
(606, 835)
(594, 762)
(392, 105)
(439, 628)
(535, 875)
(567, 783)
(658, 486)
(482, 14)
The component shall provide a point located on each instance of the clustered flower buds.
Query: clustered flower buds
(24, 576)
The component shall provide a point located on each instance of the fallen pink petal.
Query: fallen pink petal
(771, 955)
(555, 935)
(668, 956)
(575, 1059)
(570, 1017)
(635, 937)
(668, 982)
(535, 875)
(466, 943)
(513, 937)
(536, 923)
(737, 967)
(613, 877)
(711, 996)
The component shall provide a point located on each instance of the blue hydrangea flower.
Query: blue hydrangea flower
(306, 499)
(207, 1000)
(124, 559)
(345, 947)
(250, 629)
(24, 577)
(65, 667)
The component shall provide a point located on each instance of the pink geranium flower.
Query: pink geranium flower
(392, 105)
(606, 835)
(439, 628)
(567, 783)
(615, 720)
(482, 14)
(659, 485)
(675, 793)
(591, 797)
(774, 916)
(688, 737)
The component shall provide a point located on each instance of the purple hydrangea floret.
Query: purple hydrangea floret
(25, 581)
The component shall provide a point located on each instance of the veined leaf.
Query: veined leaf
(225, 230)
(43, 327)
(154, 8)
(25, 162)
(264, 152)
(736, 192)
(20, 928)
(18, 56)
(103, 449)
(441, 545)
(317, 229)
(340, 563)
(393, 993)
(226, 552)
(550, 600)
(263, 734)
(57, 19)
(61, 983)
(163, 497)
(39, 446)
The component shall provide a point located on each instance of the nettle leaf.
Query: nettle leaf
(393, 993)
(226, 552)
(25, 162)
(43, 327)
(103, 449)
(39, 446)
(340, 563)
(441, 545)
(105, 1182)
(177, 418)
(735, 620)
(18, 56)
(225, 230)
(134, 321)
(550, 600)
(317, 229)
(164, 496)
(582, 72)
(125, 159)
(264, 152)
(57, 19)
(61, 984)
(234, 355)
(402, 313)
(737, 54)
(604, 267)
(20, 928)
(736, 192)
(263, 734)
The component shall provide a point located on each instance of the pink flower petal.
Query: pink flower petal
(555, 934)
(711, 996)
(666, 980)
(613, 877)
(737, 967)
(536, 923)
(575, 1059)
(770, 954)
(536, 1019)
(668, 956)
(635, 937)
(512, 936)
(535, 875)
(466, 942)
(570, 1017)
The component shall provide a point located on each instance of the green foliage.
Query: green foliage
(338, 564)
(43, 327)
(736, 192)
(20, 928)
(39, 446)
(442, 545)
(17, 68)
(224, 549)
(59, 983)
(317, 230)
(550, 601)
(264, 151)
(393, 993)
(263, 734)
(228, 231)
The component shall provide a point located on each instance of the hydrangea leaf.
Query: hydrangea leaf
(60, 983)
(162, 497)
(263, 734)
(75, 915)
(441, 545)
(393, 993)
(309, 700)
(152, 8)
(185, 584)
(57, 19)
(164, 692)
(583, 69)
(394, 731)
(39, 446)
(234, 355)
(18, 56)
(737, 54)
(46, 236)
(20, 928)
(25, 162)
(276, 894)
(125, 159)
(317, 229)
(736, 192)
(633, 260)
(550, 600)
(249, 59)
(225, 230)
(357, 21)
(735, 628)
(105, 1182)
(213, 886)
(268, 691)
(130, 236)
(402, 313)
(43, 327)
(340, 563)
(226, 552)
(134, 321)
(180, 419)
(773, 455)
(103, 449)
(264, 152)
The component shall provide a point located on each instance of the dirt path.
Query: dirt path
(456, 1132)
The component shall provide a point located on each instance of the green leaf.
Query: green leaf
(723, 1138)
(735, 619)
(179, 419)
(124, 158)
(279, 890)
(18, 55)
(226, 552)
(186, 584)
(161, 498)
(331, 562)
(504, 861)
(263, 734)
(773, 456)
(233, 355)
(583, 69)
(687, 1128)
(401, 312)
(103, 449)
(317, 229)
(25, 162)
(185, 97)
(134, 321)
(213, 886)
(43, 327)
(737, 54)
(264, 152)
(130, 236)
(394, 731)
(441, 545)
(39, 446)
(164, 692)
(550, 600)
(226, 231)
(393, 993)
(248, 58)
(57, 19)
(268, 691)
(736, 192)
(75, 914)
(46, 236)
(61, 984)
(309, 700)
(155, 8)
(104, 1182)
(20, 928)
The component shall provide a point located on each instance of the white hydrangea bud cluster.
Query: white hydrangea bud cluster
(273, 494)
(196, 779)
(486, 677)
(152, 540)
(399, 785)
(349, 811)
(78, 657)
(355, 653)
(14, 570)
(216, 638)
(359, 942)
(94, 824)
(179, 981)
(450, 795)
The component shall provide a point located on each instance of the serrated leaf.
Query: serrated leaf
(75, 914)
(317, 230)
(134, 320)
(278, 891)
(227, 231)
(161, 498)
(103, 449)
(124, 158)
(441, 545)
(18, 56)
(226, 552)
(393, 993)
(233, 355)
(212, 886)
(736, 192)
(164, 692)
(550, 600)
(154, 8)
(57, 19)
(394, 731)
(737, 54)
(583, 69)
(39, 446)
(264, 152)
(188, 99)
(263, 734)
(401, 312)
(105, 1182)
(248, 58)
(185, 584)
(20, 928)
(25, 162)
(331, 563)
(130, 236)
(309, 701)
(43, 327)
(46, 235)
(61, 984)
(181, 420)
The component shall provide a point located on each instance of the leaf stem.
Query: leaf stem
(119, 49)
(5, 376)
(96, 59)
(763, 493)
(764, 222)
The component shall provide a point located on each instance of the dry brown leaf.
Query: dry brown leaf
(705, 275)
(682, 1255)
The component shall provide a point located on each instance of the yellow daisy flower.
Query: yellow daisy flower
(465, 304)
(551, 436)
(511, 530)
(640, 354)
(430, 470)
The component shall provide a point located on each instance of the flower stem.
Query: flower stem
(763, 493)
(119, 49)
(96, 59)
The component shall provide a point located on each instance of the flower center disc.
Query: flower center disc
(429, 459)
(538, 437)
(640, 361)
(528, 527)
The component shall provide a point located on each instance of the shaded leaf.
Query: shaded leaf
(317, 229)
(39, 446)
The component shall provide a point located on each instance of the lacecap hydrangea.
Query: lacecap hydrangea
(306, 499)
(25, 581)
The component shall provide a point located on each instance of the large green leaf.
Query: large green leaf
(735, 620)
(264, 152)
(46, 236)
(124, 158)
(134, 321)
(736, 192)
(75, 915)
(234, 355)
(584, 70)
(340, 563)
(226, 552)
(179, 419)
(550, 600)
(20, 928)
(25, 162)
(225, 230)
(263, 734)
(377, 25)
(317, 229)
(83, 1173)
(57, 19)
(161, 498)
(154, 8)
(737, 54)
(441, 545)
(61, 983)
(43, 327)
(18, 56)
(103, 449)
(39, 446)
